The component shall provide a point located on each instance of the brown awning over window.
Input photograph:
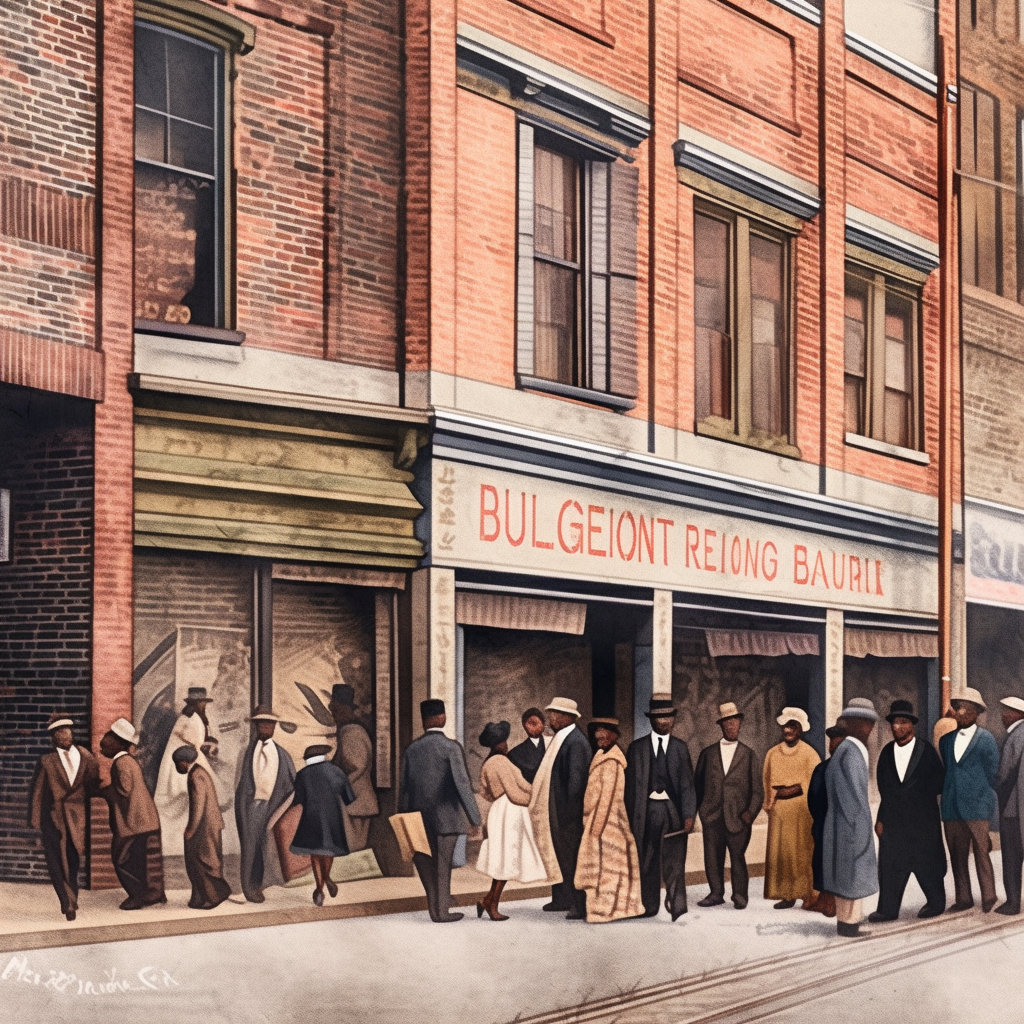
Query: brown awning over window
(734, 642)
(889, 643)
(507, 611)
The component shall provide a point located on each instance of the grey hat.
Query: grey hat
(186, 754)
(196, 694)
(860, 707)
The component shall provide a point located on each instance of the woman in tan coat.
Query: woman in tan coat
(608, 868)
(510, 850)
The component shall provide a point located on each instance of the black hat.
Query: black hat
(432, 707)
(494, 733)
(317, 750)
(901, 709)
(661, 706)
(186, 754)
(837, 732)
(342, 693)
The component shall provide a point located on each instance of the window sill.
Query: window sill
(588, 395)
(884, 448)
(722, 430)
(217, 335)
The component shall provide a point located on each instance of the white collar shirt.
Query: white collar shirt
(120, 753)
(659, 742)
(860, 746)
(902, 756)
(963, 741)
(728, 749)
(535, 740)
(265, 762)
(565, 732)
(315, 759)
(1013, 725)
(71, 759)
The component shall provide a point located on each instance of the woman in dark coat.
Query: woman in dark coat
(817, 804)
(320, 789)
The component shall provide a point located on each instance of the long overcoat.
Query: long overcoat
(59, 808)
(435, 782)
(849, 866)
(1010, 781)
(320, 789)
(967, 793)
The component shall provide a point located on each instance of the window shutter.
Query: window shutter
(599, 232)
(622, 340)
(524, 283)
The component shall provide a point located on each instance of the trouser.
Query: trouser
(564, 894)
(892, 882)
(436, 874)
(138, 863)
(849, 911)
(252, 837)
(961, 836)
(718, 839)
(1013, 859)
(662, 819)
(62, 862)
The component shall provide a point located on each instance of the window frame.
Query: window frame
(739, 427)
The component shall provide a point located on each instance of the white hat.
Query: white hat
(970, 694)
(58, 722)
(860, 707)
(1013, 702)
(125, 730)
(797, 715)
(566, 706)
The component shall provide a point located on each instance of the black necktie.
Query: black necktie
(540, 744)
(659, 780)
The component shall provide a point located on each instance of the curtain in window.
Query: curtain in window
(738, 642)
(768, 335)
(855, 354)
(713, 345)
(889, 643)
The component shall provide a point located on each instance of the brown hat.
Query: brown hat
(606, 723)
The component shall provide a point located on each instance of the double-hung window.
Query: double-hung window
(742, 326)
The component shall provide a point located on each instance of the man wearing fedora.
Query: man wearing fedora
(1010, 792)
(354, 756)
(729, 795)
(910, 775)
(661, 801)
(971, 757)
(849, 867)
(65, 779)
(265, 785)
(134, 823)
(556, 806)
(435, 782)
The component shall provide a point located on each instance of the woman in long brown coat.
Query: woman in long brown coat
(204, 859)
(608, 868)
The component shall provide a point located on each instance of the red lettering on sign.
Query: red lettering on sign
(646, 539)
(774, 561)
(592, 529)
(691, 545)
(665, 524)
(489, 513)
(515, 542)
(878, 578)
(575, 527)
(800, 562)
(838, 583)
(819, 562)
(708, 552)
(546, 544)
(748, 562)
(736, 556)
(626, 556)
(855, 572)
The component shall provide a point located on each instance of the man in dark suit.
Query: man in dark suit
(1010, 793)
(910, 775)
(65, 780)
(527, 756)
(971, 757)
(661, 800)
(435, 782)
(730, 793)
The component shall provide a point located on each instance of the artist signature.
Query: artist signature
(148, 979)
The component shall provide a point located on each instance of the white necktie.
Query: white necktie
(264, 759)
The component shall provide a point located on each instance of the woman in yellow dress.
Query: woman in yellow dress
(788, 869)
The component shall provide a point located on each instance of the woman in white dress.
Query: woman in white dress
(509, 852)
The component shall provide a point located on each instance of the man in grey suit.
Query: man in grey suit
(435, 782)
(1010, 792)
(661, 802)
(730, 792)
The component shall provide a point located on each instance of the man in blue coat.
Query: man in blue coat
(849, 867)
(971, 757)
(435, 782)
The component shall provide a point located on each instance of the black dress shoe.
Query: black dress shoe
(256, 897)
(877, 916)
(576, 915)
(987, 905)
(851, 931)
(1006, 908)
(653, 912)
(448, 918)
(554, 908)
(739, 903)
(332, 887)
(957, 907)
(70, 914)
(318, 897)
(132, 904)
(784, 905)
(927, 911)
(711, 901)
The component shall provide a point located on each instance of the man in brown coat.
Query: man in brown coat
(354, 756)
(65, 780)
(204, 855)
(134, 822)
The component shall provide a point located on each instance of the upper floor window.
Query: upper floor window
(741, 322)
(576, 319)
(881, 358)
(903, 27)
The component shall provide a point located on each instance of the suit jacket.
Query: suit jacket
(639, 765)
(527, 758)
(61, 805)
(850, 868)
(435, 782)
(967, 794)
(909, 811)
(203, 808)
(245, 791)
(727, 796)
(354, 757)
(132, 811)
(1010, 781)
(568, 786)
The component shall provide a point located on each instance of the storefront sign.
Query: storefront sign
(485, 518)
(995, 555)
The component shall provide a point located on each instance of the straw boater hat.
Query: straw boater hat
(971, 695)
(606, 723)
(860, 707)
(123, 729)
(1013, 702)
(59, 721)
(901, 709)
(797, 715)
(263, 713)
(565, 705)
(661, 706)
(728, 710)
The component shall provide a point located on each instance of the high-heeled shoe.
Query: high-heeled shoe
(332, 887)
(480, 908)
(494, 915)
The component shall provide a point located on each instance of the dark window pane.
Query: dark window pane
(554, 321)
(768, 335)
(191, 147)
(712, 343)
(899, 334)
(855, 353)
(175, 253)
(556, 203)
(192, 80)
(150, 130)
(150, 68)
